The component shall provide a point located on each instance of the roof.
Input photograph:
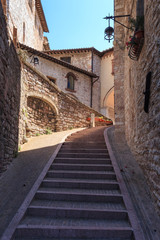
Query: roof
(41, 15)
(79, 50)
(55, 60)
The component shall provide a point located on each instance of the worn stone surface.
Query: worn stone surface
(141, 128)
(9, 96)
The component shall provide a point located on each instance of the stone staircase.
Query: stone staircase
(80, 197)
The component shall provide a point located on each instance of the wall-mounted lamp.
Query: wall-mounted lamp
(35, 60)
(109, 31)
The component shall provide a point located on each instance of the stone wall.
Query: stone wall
(141, 128)
(44, 106)
(26, 20)
(80, 59)
(9, 96)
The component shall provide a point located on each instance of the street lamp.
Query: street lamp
(109, 31)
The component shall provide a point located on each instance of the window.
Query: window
(71, 82)
(4, 6)
(15, 36)
(24, 30)
(112, 67)
(66, 59)
(52, 79)
(30, 4)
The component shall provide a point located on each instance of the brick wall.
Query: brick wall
(59, 111)
(9, 96)
(141, 128)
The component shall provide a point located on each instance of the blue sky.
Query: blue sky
(77, 23)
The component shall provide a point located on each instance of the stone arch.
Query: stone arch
(41, 115)
(45, 99)
(108, 103)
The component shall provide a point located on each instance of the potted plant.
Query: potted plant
(137, 25)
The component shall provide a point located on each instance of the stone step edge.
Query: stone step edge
(82, 172)
(73, 212)
(86, 232)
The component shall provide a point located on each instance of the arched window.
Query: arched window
(70, 82)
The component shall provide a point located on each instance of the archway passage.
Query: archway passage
(41, 117)
(108, 103)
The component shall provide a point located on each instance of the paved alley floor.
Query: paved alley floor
(17, 181)
(20, 176)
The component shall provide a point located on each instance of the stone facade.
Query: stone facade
(141, 128)
(82, 86)
(99, 63)
(24, 16)
(45, 107)
(9, 96)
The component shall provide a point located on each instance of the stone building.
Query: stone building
(97, 91)
(137, 85)
(100, 63)
(26, 22)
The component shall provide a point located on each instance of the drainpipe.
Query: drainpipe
(92, 83)
(91, 78)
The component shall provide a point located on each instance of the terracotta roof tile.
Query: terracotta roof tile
(78, 50)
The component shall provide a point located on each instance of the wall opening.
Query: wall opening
(41, 117)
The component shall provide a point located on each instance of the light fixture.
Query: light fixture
(35, 60)
(109, 31)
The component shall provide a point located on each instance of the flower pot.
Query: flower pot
(139, 34)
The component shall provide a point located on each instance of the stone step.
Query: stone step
(83, 145)
(82, 160)
(84, 150)
(59, 212)
(81, 174)
(73, 229)
(83, 155)
(70, 238)
(116, 206)
(79, 184)
(80, 197)
(79, 191)
(86, 167)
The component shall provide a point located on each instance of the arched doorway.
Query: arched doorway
(108, 104)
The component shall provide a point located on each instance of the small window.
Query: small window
(71, 82)
(112, 67)
(30, 4)
(4, 5)
(52, 79)
(24, 30)
(66, 59)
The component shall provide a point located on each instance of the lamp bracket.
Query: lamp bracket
(119, 16)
